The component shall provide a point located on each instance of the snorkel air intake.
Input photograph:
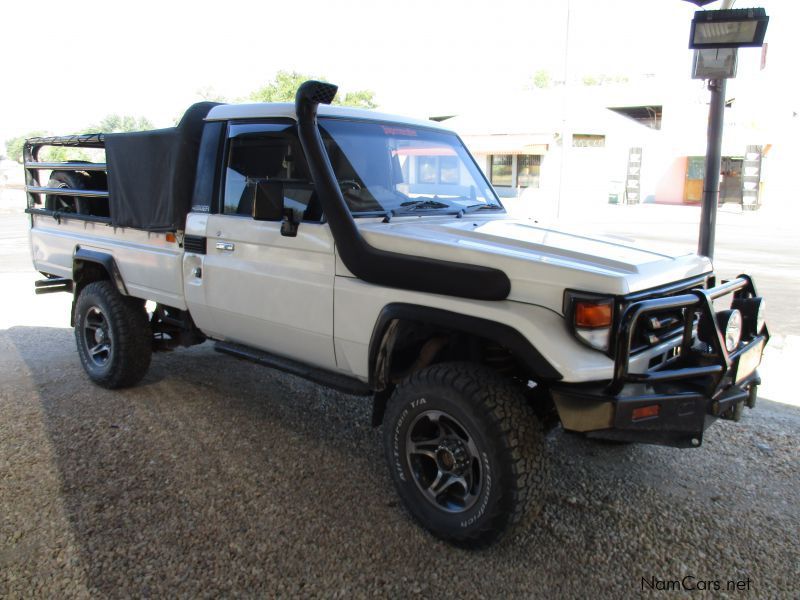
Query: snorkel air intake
(376, 266)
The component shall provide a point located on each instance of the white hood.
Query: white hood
(541, 263)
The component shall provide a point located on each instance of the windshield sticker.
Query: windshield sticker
(399, 131)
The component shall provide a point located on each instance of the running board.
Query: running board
(50, 286)
(337, 381)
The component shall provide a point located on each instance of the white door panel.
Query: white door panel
(193, 289)
(270, 291)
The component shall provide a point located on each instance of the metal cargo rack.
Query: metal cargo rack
(37, 193)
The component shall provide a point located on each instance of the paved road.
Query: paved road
(218, 477)
(764, 244)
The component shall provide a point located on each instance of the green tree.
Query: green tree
(285, 84)
(359, 99)
(64, 154)
(115, 123)
(542, 79)
(49, 153)
(14, 145)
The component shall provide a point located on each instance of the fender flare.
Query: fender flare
(104, 259)
(500, 333)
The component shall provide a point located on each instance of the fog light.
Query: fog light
(730, 322)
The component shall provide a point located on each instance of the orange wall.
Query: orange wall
(671, 184)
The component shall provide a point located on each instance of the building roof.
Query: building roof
(534, 118)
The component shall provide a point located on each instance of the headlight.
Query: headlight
(591, 319)
(730, 322)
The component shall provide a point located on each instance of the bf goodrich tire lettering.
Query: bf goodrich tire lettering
(481, 447)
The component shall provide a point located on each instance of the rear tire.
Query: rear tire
(465, 451)
(113, 335)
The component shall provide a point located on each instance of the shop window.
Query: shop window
(449, 170)
(528, 166)
(501, 169)
(426, 169)
(438, 169)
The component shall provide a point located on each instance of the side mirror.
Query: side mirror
(268, 206)
(268, 201)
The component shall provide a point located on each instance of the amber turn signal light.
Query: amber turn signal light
(592, 314)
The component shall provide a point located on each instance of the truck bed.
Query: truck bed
(149, 264)
(132, 204)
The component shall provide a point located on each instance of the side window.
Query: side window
(258, 153)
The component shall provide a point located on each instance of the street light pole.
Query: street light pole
(708, 214)
(565, 137)
(714, 32)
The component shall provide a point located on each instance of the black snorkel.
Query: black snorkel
(376, 266)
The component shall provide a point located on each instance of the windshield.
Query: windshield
(401, 169)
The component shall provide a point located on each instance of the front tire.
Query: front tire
(113, 335)
(465, 451)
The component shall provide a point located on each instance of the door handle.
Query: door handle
(227, 246)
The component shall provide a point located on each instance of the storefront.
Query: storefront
(740, 179)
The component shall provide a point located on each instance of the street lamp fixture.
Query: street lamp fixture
(715, 37)
(731, 28)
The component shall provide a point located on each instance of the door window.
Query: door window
(267, 152)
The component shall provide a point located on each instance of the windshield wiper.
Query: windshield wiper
(474, 207)
(412, 205)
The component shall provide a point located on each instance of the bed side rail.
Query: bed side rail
(82, 192)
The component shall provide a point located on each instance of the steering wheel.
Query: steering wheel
(350, 184)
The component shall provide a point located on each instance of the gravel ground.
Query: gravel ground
(218, 477)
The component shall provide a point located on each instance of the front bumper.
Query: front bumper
(675, 402)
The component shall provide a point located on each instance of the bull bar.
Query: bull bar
(687, 392)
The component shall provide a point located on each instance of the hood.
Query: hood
(540, 262)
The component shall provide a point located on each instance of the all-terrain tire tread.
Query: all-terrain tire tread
(514, 426)
(133, 339)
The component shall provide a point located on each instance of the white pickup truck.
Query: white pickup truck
(369, 253)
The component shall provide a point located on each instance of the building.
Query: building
(632, 143)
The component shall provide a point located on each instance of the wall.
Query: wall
(670, 186)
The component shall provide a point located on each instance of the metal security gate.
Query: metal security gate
(633, 178)
(751, 178)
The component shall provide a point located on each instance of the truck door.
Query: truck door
(262, 288)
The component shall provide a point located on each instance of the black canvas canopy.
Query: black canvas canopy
(151, 173)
